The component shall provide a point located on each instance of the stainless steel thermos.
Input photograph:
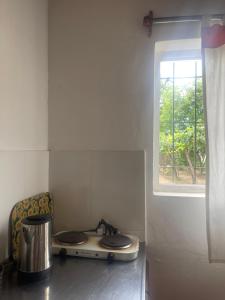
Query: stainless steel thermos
(35, 246)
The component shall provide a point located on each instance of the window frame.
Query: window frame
(168, 188)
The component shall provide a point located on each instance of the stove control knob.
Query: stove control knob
(110, 257)
(62, 252)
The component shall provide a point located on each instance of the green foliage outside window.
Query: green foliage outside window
(182, 131)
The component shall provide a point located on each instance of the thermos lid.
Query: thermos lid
(37, 220)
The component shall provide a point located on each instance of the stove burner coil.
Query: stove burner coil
(71, 238)
(117, 242)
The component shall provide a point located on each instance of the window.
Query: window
(180, 148)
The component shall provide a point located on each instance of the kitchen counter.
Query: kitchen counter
(75, 278)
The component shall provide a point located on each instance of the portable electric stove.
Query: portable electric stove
(107, 244)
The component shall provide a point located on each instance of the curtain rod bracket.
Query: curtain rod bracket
(148, 22)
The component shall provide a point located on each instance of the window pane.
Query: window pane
(185, 86)
(166, 144)
(166, 128)
(199, 68)
(166, 101)
(182, 152)
(184, 100)
(166, 69)
(166, 175)
(183, 175)
(199, 102)
(184, 138)
(200, 175)
(200, 146)
(184, 68)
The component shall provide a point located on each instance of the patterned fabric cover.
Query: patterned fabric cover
(39, 204)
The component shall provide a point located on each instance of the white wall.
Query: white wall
(101, 98)
(23, 105)
(90, 185)
(94, 104)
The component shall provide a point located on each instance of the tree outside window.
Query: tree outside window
(182, 132)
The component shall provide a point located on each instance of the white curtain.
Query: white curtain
(214, 64)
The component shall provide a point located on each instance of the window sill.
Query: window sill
(180, 195)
